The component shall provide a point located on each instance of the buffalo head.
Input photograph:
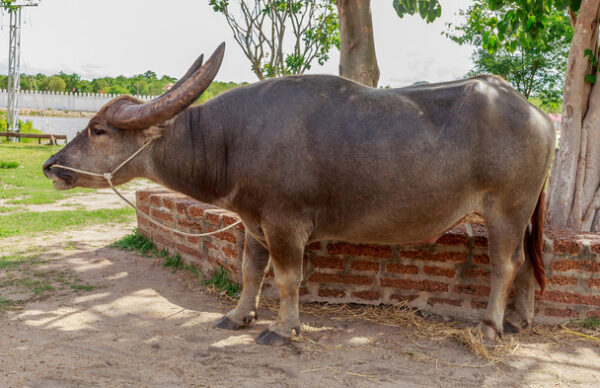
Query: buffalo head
(122, 126)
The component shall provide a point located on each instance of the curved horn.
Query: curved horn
(195, 66)
(130, 114)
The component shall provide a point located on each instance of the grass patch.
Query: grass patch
(590, 323)
(29, 222)
(8, 262)
(81, 287)
(6, 164)
(27, 184)
(137, 242)
(220, 281)
(6, 304)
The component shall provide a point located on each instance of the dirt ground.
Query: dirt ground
(113, 318)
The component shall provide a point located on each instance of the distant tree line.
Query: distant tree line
(147, 84)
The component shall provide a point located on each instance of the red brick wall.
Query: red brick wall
(450, 277)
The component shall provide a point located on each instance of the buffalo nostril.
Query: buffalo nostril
(47, 167)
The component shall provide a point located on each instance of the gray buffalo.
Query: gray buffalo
(316, 157)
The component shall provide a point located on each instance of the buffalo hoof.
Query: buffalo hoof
(267, 337)
(510, 328)
(228, 324)
(490, 334)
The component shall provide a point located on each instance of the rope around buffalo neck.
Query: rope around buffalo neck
(109, 176)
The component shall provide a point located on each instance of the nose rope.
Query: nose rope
(108, 176)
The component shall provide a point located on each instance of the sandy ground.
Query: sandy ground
(143, 325)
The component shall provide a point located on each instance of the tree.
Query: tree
(532, 69)
(574, 187)
(56, 84)
(259, 27)
(358, 61)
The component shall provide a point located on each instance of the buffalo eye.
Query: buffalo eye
(97, 131)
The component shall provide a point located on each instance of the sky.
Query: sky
(97, 38)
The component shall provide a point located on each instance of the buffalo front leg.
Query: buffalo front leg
(286, 251)
(254, 268)
(506, 257)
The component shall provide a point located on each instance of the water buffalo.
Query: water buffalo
(315, 157)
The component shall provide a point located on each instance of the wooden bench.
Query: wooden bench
(53, 138)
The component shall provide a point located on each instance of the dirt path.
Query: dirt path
(120, 319)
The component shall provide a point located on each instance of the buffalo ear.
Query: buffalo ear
(156, 131)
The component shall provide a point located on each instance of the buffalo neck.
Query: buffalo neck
(194, 157)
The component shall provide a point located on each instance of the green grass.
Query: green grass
(31, 222)
(221, 280)
(591, 323)
(27, 184)
(81, 287)
(6, 164)
(6, 304)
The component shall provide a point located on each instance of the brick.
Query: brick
(212, 218)
(567, 313)
(162, 215)
(192, 240)
(314, 246)
(359, 250)
(183, 204)
(570, 298)
(229, 219)
(155, 200)
(410, 284)
(169, 203)
(210, 245)
(562, 280)
(472, 289)
(569, 265)
(142, 195)
(401, 268)
(454, 257)
(190, 225)
(476, 273)
(593, 283)
(367, 295)
(478, 304)
(197, 210)
(481, 259)
(336, 278)
(448, 301)
(328, 262)
(593, 314)
(231, 253)
(331, 292)
(145, 209)
(452, 239)
(181, 248)
(479, 236)
(566, 246)
(303, 291)
(365, 266)
(439, 271)
(226, 236)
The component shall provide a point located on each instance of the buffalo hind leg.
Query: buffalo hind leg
(524, 287)
(287, 250)
(254, 268)
(505, 244)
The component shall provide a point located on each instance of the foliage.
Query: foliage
(259, 27)
(223, 282)
(429, 10)
(535, 70)
(6, 164)
(136, 242)
(523, 23)
(56, 84)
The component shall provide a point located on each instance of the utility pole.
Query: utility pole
(14, 63)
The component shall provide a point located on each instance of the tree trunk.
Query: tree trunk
(574, 195)
(357, 47)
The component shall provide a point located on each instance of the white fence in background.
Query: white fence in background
(86, 102)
